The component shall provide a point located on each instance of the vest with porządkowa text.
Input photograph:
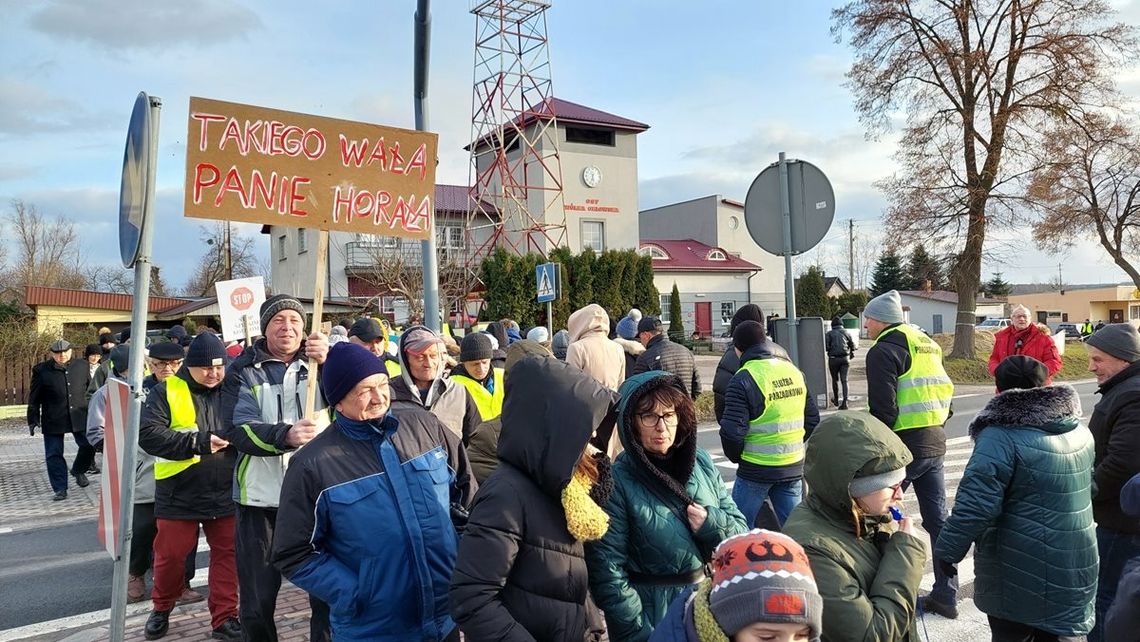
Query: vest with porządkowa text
(183, 418)
(490, 403)
(924, 391)
(776, 437)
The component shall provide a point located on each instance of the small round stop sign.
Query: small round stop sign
(242, 298)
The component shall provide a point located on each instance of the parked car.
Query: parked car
(1070, 329)
(993, 325)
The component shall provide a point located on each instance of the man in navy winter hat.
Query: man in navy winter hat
(349, 503)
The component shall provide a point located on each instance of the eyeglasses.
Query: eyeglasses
(172, 365)
(648, 419)
(895, 489)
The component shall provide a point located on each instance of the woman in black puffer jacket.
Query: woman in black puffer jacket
(521, 568)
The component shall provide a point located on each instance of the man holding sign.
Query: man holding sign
(264, 391)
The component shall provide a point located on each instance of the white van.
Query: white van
(993, 325)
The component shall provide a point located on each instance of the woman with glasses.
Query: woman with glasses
(669, 509)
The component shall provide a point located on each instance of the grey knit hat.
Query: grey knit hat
(1120, 340)
(887, 307)
(861, 486)
(276, 304)
(475, 346)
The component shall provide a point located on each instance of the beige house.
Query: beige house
(1111, 303)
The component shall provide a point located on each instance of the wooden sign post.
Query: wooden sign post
(271, 167)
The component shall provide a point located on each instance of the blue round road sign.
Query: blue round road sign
(133, 191)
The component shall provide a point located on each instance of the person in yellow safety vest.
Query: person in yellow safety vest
(768, 414)
(909, 391)
(474, 372)
(1086, 328)
(193, 472)
(372, 335)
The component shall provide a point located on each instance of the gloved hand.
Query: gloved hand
(948, 569)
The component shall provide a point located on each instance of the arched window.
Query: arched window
(653, 252)
(717, 255)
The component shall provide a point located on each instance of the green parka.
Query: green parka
(1025, 503)
(649, 534)
(868, 576)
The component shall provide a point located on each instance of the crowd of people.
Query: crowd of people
(523, 486)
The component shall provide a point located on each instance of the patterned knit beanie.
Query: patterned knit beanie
(763, 576)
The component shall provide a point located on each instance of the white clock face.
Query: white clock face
(591, 176)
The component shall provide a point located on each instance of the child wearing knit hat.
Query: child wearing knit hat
(762, 588)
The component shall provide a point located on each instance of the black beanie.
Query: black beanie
(746, 312)
(347, 365)
(277, 303)
(1020, 371)
(475, 346)
(205, 351)
(748, 334)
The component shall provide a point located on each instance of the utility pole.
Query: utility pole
(851, 253)
(227, 260)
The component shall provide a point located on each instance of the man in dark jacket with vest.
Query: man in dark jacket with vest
(840, 352)
(662, 354)
(1114, 357)
(193, 474)
(767, 414)
(909, 391)
(365, 510)
(57, 405)
(264, 391)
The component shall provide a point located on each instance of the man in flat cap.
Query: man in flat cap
(422, 384)
(57, 405)
(1114, 358)
(264, 394)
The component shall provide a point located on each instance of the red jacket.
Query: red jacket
(1034, 343)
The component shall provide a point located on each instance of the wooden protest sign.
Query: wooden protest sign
(272, 167)
(267, 166)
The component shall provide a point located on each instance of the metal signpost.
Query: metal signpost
(788, 210)
(136, 229)
(547, 285)
(422, 48)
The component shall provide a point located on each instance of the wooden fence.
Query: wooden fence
(15, 381)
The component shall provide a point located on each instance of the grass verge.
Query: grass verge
(1074, 365)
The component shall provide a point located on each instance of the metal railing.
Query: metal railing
(366, 254)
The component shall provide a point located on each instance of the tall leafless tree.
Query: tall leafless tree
(395, 268)
(976, 81)
(1089, 185)
(47, 251)
(212, 266)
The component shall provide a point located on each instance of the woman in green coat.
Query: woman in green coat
(669, 509)
(867, 565)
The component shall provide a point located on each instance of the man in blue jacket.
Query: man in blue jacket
(364, 522)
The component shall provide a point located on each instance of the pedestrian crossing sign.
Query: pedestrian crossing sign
(546, 280)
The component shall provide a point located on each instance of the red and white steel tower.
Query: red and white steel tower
(516, 197)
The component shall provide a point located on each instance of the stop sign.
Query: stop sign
(241, 298)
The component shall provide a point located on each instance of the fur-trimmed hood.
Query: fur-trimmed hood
(1053, 409)
(630, 346)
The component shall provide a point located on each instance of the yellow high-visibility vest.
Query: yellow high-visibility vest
(776, 437)
(183, 418)
(924, 391)
(490, 404)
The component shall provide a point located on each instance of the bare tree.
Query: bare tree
(1089, 185)
(212, 266)
(394, 267)
(46, 252)
(977, 80)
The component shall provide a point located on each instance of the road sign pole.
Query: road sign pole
(789, 277)
(432, 311)
(135, 377)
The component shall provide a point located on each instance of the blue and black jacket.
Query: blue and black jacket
(364, 524)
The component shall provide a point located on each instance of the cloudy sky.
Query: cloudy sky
(724, 86)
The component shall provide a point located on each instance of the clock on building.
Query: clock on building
(591, 176)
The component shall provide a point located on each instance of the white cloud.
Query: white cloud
(27, 108)
(117, 25)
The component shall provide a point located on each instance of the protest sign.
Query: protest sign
(267, 166)
(239, 301)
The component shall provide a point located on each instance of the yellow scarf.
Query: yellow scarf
(585, 520)
(703, 621)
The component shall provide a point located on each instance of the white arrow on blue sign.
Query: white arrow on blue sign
(545, 281)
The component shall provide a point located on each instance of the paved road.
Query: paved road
(61, 571)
